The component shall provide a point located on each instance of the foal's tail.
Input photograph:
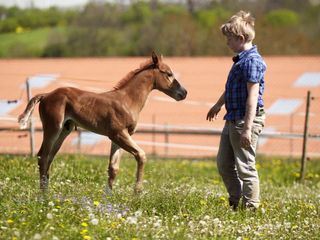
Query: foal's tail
(24, 117)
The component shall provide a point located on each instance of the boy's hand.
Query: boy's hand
(213, 112)
(245, 138)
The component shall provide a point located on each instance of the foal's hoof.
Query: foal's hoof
(108, 191)
(138, 189)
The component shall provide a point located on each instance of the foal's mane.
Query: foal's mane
(147, 64)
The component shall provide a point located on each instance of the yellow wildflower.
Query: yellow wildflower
(19, 30)
(84, 224)
(215, 181)
(86, 237)
(114, 224)
(9, 221)
(96, 203)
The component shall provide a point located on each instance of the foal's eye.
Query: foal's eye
(169, 74)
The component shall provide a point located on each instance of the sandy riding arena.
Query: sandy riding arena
(287, 81)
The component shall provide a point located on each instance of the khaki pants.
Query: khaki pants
(236, 165)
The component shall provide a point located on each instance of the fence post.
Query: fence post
(153, 135)
(166, 137)
(79, 141)
(31, 125)
(305, 139)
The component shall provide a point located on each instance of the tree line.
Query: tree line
(182, 28)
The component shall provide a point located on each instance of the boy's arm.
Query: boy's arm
(251, 107)
(213, 112)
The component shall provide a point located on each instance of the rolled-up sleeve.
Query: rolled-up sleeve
(253, 70)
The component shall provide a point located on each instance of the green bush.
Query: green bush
(8, 25)
(282, 18)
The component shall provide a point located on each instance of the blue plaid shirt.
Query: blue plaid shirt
(248, 67)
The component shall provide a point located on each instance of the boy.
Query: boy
(245, 113)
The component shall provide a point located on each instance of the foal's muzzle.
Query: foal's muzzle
(180, 92)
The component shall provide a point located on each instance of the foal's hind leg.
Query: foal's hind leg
(114, 163)
(125, 141)
(49, 138)
(66, 130)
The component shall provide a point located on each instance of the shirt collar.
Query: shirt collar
(244, 53)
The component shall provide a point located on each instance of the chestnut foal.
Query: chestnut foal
(113, 114)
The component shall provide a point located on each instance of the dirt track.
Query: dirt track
(203, 77)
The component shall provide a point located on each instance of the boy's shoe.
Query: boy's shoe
(233, 205)
(249, 207)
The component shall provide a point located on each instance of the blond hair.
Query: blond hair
(240, 24)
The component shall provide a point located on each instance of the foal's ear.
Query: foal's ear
(155, 58)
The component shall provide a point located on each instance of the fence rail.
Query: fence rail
(170, 130)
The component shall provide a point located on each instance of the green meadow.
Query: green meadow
(182, 199)
(27, 43)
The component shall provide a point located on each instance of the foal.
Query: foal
(113, 114)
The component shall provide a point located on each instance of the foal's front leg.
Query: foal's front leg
(114, 163)
(125, 141)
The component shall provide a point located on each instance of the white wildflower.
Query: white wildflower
(132, 220)
(37, 236)
(206, 217)
(94, 221)
(51, 204)
(17, 233)
(216, 221)
(138, 213)
(157, 224)
(203, 223)
(49, 215)
(287, 224)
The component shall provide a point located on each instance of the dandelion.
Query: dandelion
(49, 216)
(84, 224)
(10, 221)
(215, 182)
(223, 199)
(86, 237)
(83, 231)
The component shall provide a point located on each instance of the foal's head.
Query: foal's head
(165, 80)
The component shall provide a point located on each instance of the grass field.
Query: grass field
(182, 199)
(25, 44)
